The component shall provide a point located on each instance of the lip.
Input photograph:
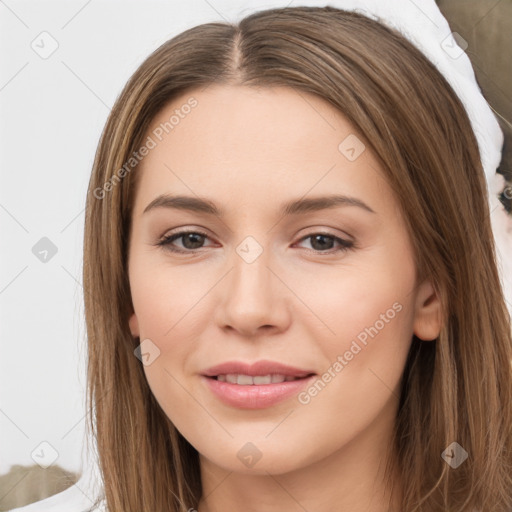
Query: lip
(256, 396)
(256, 369)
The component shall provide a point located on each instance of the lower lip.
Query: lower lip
(255, 396)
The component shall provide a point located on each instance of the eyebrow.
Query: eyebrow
(293, 207)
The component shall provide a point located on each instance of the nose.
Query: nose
(253, 299)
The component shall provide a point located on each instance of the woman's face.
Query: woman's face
(325, 287)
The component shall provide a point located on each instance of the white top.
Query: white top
(70, 500)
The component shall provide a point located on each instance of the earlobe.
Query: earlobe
(134, 325)
(427, 317)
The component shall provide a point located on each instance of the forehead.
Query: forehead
(261, 122)
(254, 143)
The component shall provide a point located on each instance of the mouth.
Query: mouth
(255, 380)
(255, 386)
(262, 368)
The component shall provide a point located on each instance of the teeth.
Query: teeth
(231, 378)
(246, 380)
(263, 379)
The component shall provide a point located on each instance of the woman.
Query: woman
(291, 293)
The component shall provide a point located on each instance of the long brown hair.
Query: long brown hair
(457, 388)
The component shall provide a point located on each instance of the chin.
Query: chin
(257, 457)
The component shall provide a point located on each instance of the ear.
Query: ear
(134, 325)
(427, 315)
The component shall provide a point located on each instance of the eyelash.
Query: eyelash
(166, 241)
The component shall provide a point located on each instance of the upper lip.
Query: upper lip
(258, 368)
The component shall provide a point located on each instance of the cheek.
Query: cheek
(372, 300)
(170, 306)
(165, 301)
(371, 311)
(165, 298)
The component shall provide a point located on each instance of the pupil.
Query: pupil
(195, 243)
(322, 244)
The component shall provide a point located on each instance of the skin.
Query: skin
(250, 150)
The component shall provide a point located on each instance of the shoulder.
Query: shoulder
(70, 500)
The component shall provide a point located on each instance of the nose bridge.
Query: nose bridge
(252, 297)
(251, 278)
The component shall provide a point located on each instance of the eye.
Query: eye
(190, 240)
(322, 242)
